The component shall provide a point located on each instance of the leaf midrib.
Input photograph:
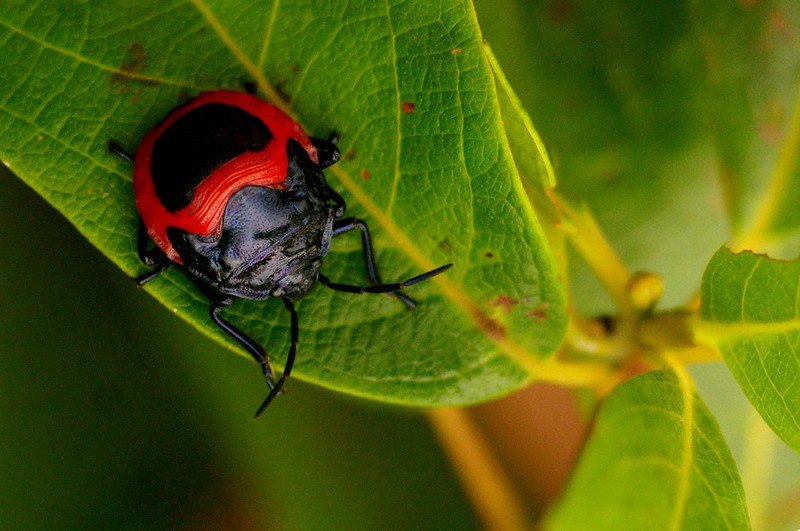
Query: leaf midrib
(714, 331)
(492, 330)
(687, 394)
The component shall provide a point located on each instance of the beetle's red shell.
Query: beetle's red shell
(203, 215)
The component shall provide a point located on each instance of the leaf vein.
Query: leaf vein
(48, 134)
(397, 112)
(239, 54)
(746, 285)
(82, 59)
(682, 496)
(268, 35)
(548, 369)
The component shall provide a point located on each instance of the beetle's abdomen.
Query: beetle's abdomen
(201, 141)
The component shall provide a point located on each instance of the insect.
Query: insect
(230, 190)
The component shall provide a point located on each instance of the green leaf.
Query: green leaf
(750, 311)
(530, 156)
(529, 152)
(533, 164)
(426, 163)
(656, 460)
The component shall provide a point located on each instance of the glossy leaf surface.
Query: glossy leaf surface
(751, 312)
(426, 162)
(656, 460)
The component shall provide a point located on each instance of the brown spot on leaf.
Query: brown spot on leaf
(365, 173)
(562, 11)
(504, 302)
(408, 106)
(455, 51)
(135, 63)
(539, 312)
(137, 59)
(490, 327)
(280, 88)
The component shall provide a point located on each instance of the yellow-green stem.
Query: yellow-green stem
(757, 468)
(590, 242)
(484, 479)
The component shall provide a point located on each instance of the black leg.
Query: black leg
(154, 257)
(250, 87)
(383, 288)
(338, 200)
(287, 369)
(251, 346)
(116, 149)
(345, 225)
(144, 278)
(149, 257)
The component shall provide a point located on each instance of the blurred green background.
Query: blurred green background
(116, 414)
(666, 118)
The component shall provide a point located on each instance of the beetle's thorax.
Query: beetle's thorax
(272, 241)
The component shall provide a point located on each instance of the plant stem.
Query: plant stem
(590, 242)
(757, 468)
(676, 332)
(484, 479)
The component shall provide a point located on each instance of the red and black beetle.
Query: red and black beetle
(230, 189)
